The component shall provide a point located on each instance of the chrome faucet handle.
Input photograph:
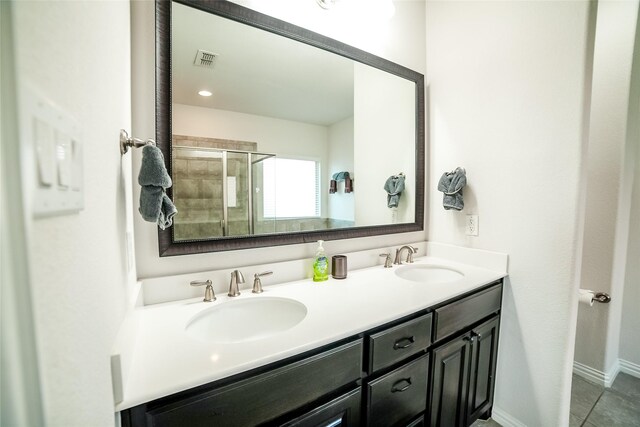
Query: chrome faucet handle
(257, 284)
(412, 250)
(236, 279)
(208, 291)
(387, 260)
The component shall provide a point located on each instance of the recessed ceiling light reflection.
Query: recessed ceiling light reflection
(205, 93)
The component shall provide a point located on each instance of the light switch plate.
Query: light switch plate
(52, 150)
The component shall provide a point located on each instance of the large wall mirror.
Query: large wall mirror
(277, 135)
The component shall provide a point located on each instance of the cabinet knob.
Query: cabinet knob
(475, 335)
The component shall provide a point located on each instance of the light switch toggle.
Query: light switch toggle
(63, 159)
(45, 157)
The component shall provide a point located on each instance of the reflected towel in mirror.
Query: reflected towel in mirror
(394, 186)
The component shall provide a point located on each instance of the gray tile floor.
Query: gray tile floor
(595, 406)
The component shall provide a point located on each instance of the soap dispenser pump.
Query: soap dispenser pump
(320, 264)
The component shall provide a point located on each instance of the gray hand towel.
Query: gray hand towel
(152, 170)
(451, 184)
(394, 187)
(155, 205)
(340, 176)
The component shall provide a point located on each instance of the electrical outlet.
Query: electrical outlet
(472, 225)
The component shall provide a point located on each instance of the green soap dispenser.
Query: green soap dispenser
(320, 264)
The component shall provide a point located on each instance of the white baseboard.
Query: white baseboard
(630, 368)
(604, 379)
(505, 419)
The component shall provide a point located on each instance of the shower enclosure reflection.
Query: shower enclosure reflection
(225, 188)
(218, 188)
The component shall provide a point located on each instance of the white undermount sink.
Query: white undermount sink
(423, 273)
(245, 320)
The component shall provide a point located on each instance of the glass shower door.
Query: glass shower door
(237, 193)
(262, 185)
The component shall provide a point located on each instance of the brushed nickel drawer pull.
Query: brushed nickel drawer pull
(406, 381)
(405, 342)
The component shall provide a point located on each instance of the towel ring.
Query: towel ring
(126, 142)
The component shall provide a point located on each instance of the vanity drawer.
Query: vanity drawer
(343, 411)
(456, 316)
(394, 344)
(399, 395)
(265, 396)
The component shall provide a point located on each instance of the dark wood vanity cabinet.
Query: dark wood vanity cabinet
(436, 367)
(464, 366)
(259, 399)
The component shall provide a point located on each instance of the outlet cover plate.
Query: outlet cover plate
(472, 225)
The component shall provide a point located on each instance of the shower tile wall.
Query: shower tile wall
(197, 190)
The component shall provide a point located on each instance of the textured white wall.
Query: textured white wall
(272, 135)
(401, 40)
(341, 205)
(507, 84)
(629, 343)
(384, 144)
(609, 182)
(77, 55)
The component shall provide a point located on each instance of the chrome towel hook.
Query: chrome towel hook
(126, 142)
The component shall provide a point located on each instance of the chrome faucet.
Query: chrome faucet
(257, 284)
(411, 250)
(208, 291)
(236, 279)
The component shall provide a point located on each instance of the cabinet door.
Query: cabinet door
(341, 412)
(484, 349)
(450, 383)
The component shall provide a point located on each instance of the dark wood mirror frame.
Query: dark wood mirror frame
(167, 245)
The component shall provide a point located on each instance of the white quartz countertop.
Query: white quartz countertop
(167, 360)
